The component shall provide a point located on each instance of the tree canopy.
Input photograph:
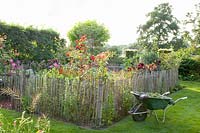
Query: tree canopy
(193, 20)
(97, 34)
(161, 29)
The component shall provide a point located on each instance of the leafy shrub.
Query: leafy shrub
(31, 43)
(116, 59)
(4, 55)
(173, 59)
(189, 69)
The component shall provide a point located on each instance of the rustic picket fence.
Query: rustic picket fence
(91, 101)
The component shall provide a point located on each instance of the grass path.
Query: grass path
(184, 117)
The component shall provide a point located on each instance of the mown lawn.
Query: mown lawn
(183, 117)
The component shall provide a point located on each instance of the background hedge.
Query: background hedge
(31, 43)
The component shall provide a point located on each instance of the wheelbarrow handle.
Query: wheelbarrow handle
(182, 98)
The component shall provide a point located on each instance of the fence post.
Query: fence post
(19, 86)
(99, 103)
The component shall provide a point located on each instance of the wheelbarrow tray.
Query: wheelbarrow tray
(154, 103)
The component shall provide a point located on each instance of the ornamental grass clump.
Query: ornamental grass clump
(24, 124)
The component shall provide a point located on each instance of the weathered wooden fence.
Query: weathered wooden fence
(90, 101)
(155, 81)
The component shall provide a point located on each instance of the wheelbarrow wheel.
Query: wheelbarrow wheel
(139, 117)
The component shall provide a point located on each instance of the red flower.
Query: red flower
(77, 47)
(92, 57)
(141, 66)
(82, 45)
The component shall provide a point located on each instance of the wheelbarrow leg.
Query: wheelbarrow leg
(164, 115)
(164, 111)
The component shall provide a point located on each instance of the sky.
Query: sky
(121, 17)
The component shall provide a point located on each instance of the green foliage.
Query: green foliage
(130, 53)
(128, 62)
(115, 59)
(174, 58)
(108, 112)
(161, 30)
(4, 55)
(30, 43)
(189, 69)
(96, 33)
(149, 57)
(25, 104)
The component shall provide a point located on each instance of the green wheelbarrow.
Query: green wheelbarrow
(149, 102)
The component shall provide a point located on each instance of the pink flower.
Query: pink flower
(11, 61)
(14, 65)
(18, 62)
(56, 65)
(50, 66)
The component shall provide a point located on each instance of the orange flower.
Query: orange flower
(101, 56)
(61, 70)
(129, 69)
(67, 54)
(77, 41)
(17, 54)
(83, 38)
